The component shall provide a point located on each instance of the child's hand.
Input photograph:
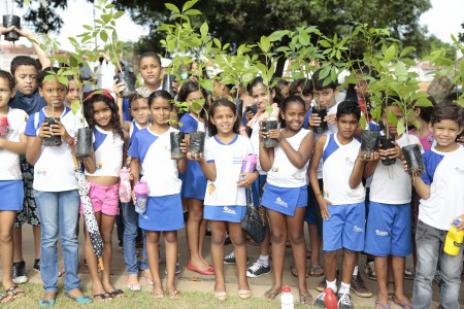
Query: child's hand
(391, 153)
(45, 131)
(58, 129)
(368, 156)
(461, 224)
(247, 179)
(323, 203)
(194, 156)
(118, 89)
(184, 144)
(315, 120)
(275, 134)
(27, 34)
(4, 30)
(330, 119)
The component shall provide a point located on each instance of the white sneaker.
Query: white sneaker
(257, 269)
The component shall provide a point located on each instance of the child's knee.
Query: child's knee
(237, 240)
(170, 237)
(6, 238)
(278, 236)
(218, 239)
(296, 238)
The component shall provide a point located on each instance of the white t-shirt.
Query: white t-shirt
(391, 184)
(336, 171)
(108, 147)
(255, 144)
(9, 161)
(54, 170)
(283, 173)
(228, 160)
(154, 154)
(444, 172)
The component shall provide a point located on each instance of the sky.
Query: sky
(442, 20)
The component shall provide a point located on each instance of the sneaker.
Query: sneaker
(230, 258)
(408, 274)
(359, 288)
(344, 301)
(36, 266)
(319, 302)
(369, 270)
(19, 272)
(322, 285)
(257, 270)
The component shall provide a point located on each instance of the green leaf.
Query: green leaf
(278, 35)
(204, 29)
(265, 44)
(390, 53)
(118, 14)
(400, 126)
(193, 12)
(187, 5)
(103, 36)
(303, 38)
(407, 51)
(171, 7)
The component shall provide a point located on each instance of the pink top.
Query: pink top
(426, 140)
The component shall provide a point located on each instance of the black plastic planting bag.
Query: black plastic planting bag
(254, 223)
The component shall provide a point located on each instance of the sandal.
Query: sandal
(402, 305)
(294, 273)
(379, 304)
(244, 294)
(173, 294)
(158, 294)
(47, 303)
(11, 294)
(81, 300)
(209, 271)
(271, 294)
(102, 296)
(222, 296)
(134, 287)
(306, 299)
(316, 271)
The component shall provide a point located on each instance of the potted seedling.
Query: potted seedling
(11, 20)
(178, 137)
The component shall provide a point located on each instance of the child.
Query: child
(151, 72)
(56, 189)
(442, 202)
(388, 231)
(74, 90)
(422, 115)
(285, 193)
(151, 156)
(11, 185)
(194, 183)
(102, 115)
(341, 204)
(225, 201)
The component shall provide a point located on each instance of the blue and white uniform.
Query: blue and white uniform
(194, 181)
(258, 185)
(11, 183)
(346, 225)
(286, 188)
(224, 200)
(164, 206)
(388, 230)
(133, 129)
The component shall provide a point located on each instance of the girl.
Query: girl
(194, 184)
(101, 114)
(422, 115)
(56, 188)
(12, 144)
(225, 202)
(151, 156)
(285, 194)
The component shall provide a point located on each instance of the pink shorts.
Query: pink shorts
(105, 199)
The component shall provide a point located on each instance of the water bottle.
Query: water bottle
(330, 300)
(249, 163)
(286, 298)
(454, 239)
(141, 195)
(124, 185)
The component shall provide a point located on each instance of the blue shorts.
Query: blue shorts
(284, 200)
(257, 188)
(345, 227)
(388, 230)
(11, 195)
(164, 213)
(193, 181)
(313, 212)
(233, 214)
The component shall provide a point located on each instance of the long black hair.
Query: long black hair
(189, 87)
(217, 103)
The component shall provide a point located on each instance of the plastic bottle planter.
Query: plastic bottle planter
(8, 21)
(266, 126)
(84, 142)
(176, 140)
(369, 141)
(167, 84)
(413, 156)
(322, 113)
(385, 143)
(4, 126)
(129, 82)
(54, 140)
(197, 143)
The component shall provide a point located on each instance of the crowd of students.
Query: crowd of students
(352, 203)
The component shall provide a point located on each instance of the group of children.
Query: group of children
(317, 176)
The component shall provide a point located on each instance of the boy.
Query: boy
(442, 202)
(342, 200)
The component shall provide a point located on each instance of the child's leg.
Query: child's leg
(195, 217)
(7, 219)
(217, 252)
(129, 217)
(278, 238)
(201, 239)
(349, 261)
(315, 244)
(450, 272)
(107, 224)
(398, 266)
(296, 237)
(152, 240)
(170, 242)
(381, 269)
(238, 240)
(91, 260)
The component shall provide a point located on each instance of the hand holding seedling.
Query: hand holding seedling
(45, 131)
(27, 34)
(183, 146)
(4, 30)
(391, 153)
(118, 88)
(247, 179)
(366, 156)
(330, 118)
(315, 120)
(275, 134)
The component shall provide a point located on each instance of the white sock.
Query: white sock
(332, 285)
(264, 260)
(344, 288)
(355, 270)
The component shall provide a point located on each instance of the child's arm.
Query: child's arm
(16, 147)
(297, 157)
(422, 189)
(89, 162)
(247, 179)
(182, 163)
(357, 172)
(313, 177)
(43, 57)
(266, 156)
(209, 169)
(135, 169)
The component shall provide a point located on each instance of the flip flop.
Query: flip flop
(158, 295)
(11, 294)
(271, 294)
(316, 271)
(402, 305)
(116, 293)
(209, 271)
(173, 294)
(306, 299)
(222, 296)
(81, 300)
(384, 306)
(47, 303)
(102, 296)
(244, 294)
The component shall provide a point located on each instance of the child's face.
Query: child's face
(160, 111)
(293, 116)
(26, 79)
(140, 111)
(150, 69)
(347, 125)
(195, 95)
(396, 111)
(445, 132)
(53, 93)
(325, 97)
(224, 119)
(5, 92)
(102, 114)
(261, 97)
(74, 91)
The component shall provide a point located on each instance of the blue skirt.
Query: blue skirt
(193, 181)
(233, 214)
(164, 213)
(11, 195)
(284, 200)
